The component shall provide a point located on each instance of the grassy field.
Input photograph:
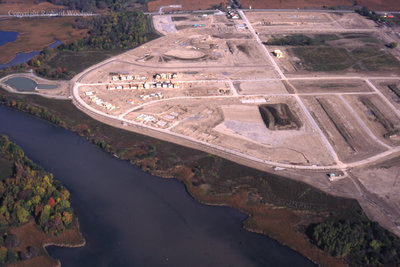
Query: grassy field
(373, 60)
(323, 58)
(338, 52)
(337, 59)
(303, 40)
(79, 61)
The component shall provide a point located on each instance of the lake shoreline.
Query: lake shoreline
(72, 237)
(285, 230)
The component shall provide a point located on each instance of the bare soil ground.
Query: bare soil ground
(291, 4)
(351, 143)
(377, 5)
(36, 34)
(329, 86)
(380, 5)
(186, 4)
(380, 118)
(390, 92)
(267, 23)
(382, 182)
(260, 88)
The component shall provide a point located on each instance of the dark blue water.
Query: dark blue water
(25, 57)
(25, 84)
(7, 37)
(22, 83)
(131, 218)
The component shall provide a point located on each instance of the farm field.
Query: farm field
(154, 6)
(380, 5)
(329, 86)
(293, 4)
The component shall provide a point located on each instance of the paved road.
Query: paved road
(263, 48)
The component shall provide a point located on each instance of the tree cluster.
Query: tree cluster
(32, 193)
(361, 243)
(123, 30)
(91, 5)
(8, 254)
(364, 11)
(14, 69)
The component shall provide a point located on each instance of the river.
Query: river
(131, 218)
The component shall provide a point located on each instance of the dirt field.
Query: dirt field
(382, 180)
(278, 23)
(388, 89)
(291, 4)
(279, 117)
(329, 86)
(222, 82)
(351, 143)
(260, 88)
(380, 118)
(380, 5)
(186, 4)
(36, 34)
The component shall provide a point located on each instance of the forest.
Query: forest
(360, 243)
(122, 30)
(117, 31)
(92, 5)
(28, 193)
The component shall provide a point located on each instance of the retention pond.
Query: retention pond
(26, 84)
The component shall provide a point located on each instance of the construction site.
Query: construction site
(289, 91)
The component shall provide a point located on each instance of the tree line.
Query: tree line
(360, 243)
(122, 30)
(114, 31)
(92, 5)
(36, 111)
(30, 193)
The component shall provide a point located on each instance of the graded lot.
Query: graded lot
(341, 128)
